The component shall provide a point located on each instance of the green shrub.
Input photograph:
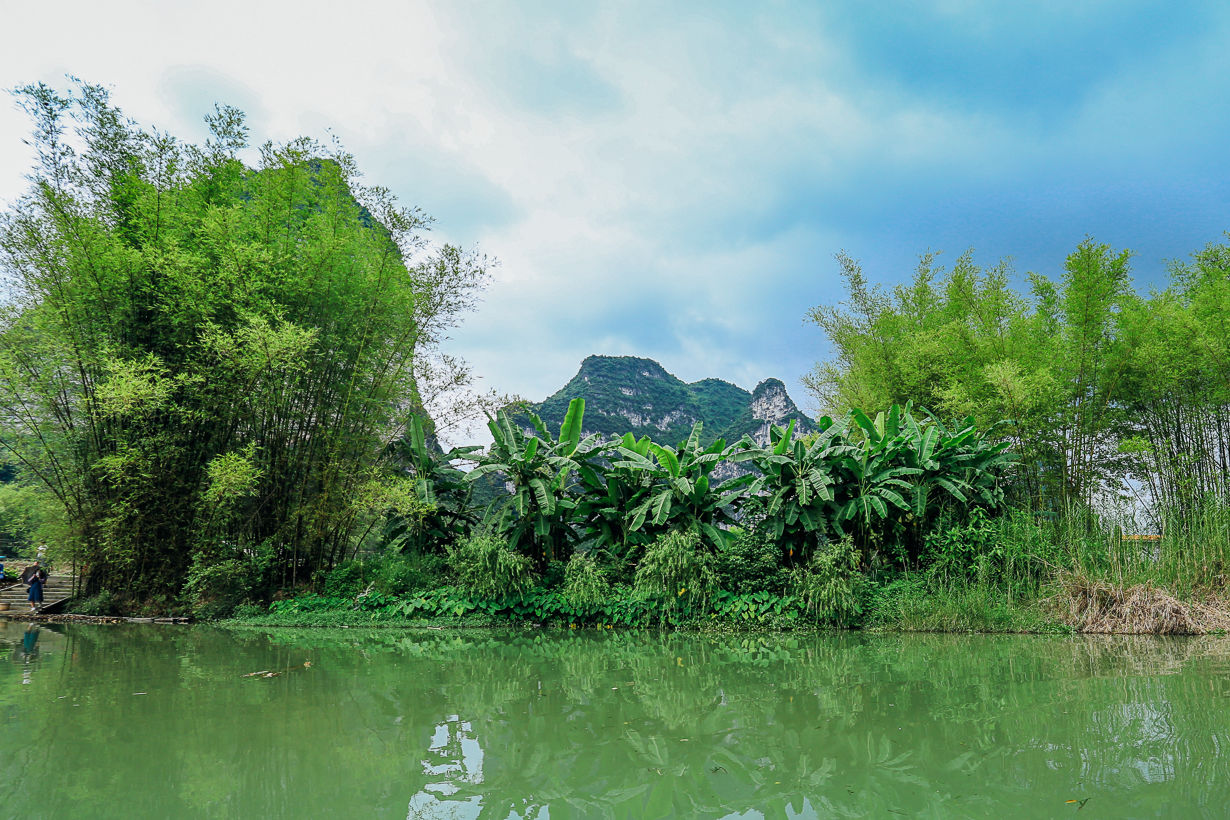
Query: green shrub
(585, 584)
(215, 587)
(891, 602)
(104, 603)
(310, 602)
(751, 562)
(345, 580)
(760, 608)
(677, 571)
(485, 566)
(399, 574)
(830, 584)
(249, 611)
(962, 552)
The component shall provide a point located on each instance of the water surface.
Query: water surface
(164, 721)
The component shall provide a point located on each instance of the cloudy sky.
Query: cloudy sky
(672, 180)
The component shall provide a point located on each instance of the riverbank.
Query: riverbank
(906, 605)
(71, 618)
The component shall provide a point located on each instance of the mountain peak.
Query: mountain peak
(769, 386)
(631, 394)
(629, 366)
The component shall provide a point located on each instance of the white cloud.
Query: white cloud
(661, 186)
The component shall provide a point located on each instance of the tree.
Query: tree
(963, 342)
(202, 361)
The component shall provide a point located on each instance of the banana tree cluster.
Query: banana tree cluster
(883, 481)
(440, 485)
(676, 490)
(796, 479)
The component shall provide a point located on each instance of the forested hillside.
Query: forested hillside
(628, 394)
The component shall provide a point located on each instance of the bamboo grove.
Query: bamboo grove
(1110, 397)
(202, 363)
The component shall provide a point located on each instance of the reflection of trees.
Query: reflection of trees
(616, 725)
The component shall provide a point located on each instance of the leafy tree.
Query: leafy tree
(200, 359)
(1050, 362)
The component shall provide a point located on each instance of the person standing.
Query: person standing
(35, 576)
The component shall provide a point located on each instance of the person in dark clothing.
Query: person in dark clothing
(35, 576)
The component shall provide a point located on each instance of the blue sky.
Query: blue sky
(673, 180)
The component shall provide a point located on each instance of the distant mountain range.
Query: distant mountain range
(627, 394)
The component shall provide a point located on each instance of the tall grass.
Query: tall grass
(1192, 556)
(1079, 567)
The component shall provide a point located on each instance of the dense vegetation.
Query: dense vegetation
(632, 532)
(202, 364)
(214, 378)
(1116, 403)
(1107, 395)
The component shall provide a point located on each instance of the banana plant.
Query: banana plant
(902, 463)
(797, 483)
(437, 483)
(876, 476)
(965, 464)
(537, 517)
(608, 491)
(681, 493)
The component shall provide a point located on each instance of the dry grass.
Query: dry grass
(1094, 606)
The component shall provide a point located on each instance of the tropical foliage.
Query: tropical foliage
(537, 515)
(637, 506)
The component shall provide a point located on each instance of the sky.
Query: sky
(673, 180)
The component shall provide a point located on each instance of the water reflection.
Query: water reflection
(22, 641)
(454, 758)
(524, 725)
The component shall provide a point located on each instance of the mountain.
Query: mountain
(627, 394)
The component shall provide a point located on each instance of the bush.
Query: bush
(402, 573)
(585, 584)
(961, 552)
(104, 603)
(345, 580)
(677, 570)
(249, 611)
(485, 566)
(751, 562)
(215, 586)
(830, 584)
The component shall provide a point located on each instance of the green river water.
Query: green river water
(160, 721)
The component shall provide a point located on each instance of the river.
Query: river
(169, 721)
